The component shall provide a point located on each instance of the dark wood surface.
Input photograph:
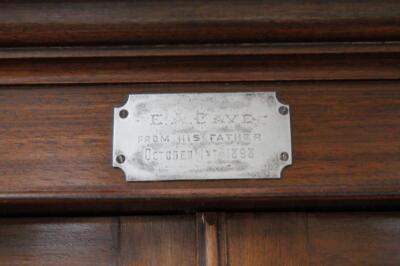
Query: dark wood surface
(56, 149)
(157, 240)
(181, 50)
(58, 241)
(140, 240)
(143, 22)
(200, 63)
(269, 239)
(64, 65)
(248, 239)
(313, 239)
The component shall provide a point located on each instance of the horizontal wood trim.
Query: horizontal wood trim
(199, 64)
(86, 22)
(346, 139)
(199, 50)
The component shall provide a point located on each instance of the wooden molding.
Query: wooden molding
(85, 22)
(199, 63)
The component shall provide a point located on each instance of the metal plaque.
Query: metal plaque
(202, 136)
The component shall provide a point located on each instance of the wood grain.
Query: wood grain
(137, 240)
(58, 241)
(354, 239)
(158, 240)
(274, 238)
(56, 148)
(313, 239)
(267, 239)
(209, 238)
(266, 66)
(180, 50)
(142, 22)
(64, 65)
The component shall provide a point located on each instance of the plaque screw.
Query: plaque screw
(123, 113)
(283, 110)
(120, 158)
(284, 156)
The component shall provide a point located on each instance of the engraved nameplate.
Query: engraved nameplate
(202, 136)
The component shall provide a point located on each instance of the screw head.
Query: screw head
(123, 113)
(121, 158)
(283, 110)
(284, 156)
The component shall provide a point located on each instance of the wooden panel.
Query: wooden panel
(354, 239)
(267, 239)
(124, 22)
(158, 240)
(268, 63)
(57, 148)
(58, 241)
(140, 240)
(313, 239)
(249, 239)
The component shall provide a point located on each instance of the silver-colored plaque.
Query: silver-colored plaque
(202, 136)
